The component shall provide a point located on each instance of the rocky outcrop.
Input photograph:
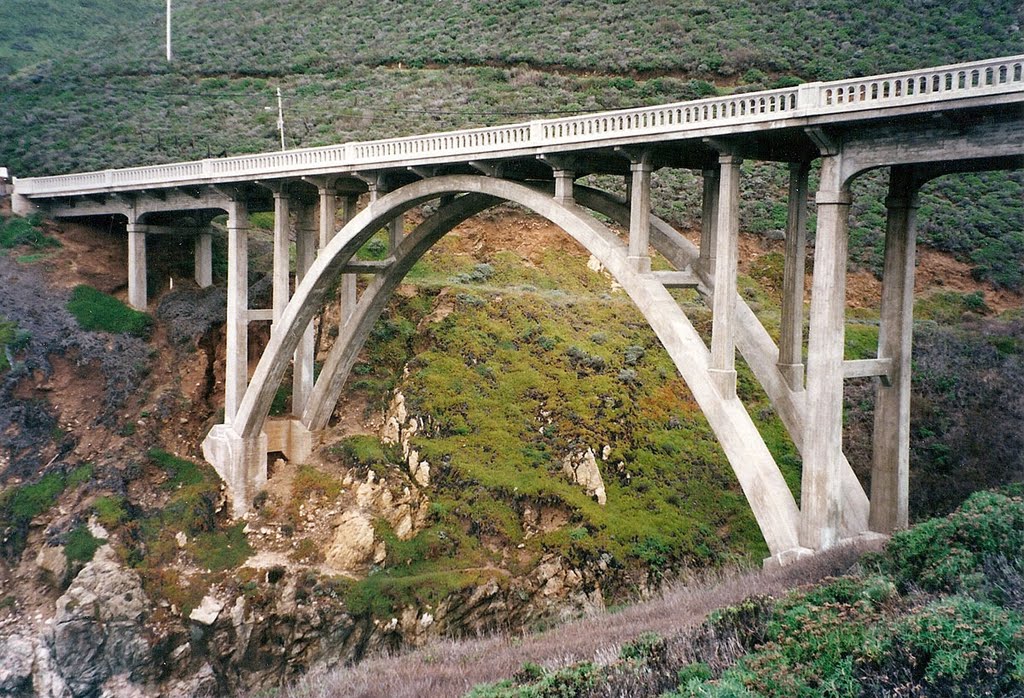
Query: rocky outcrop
(399, 428)
(98, 631)
(355, 545)
(582, 469)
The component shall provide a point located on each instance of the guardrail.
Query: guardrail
(979, 78)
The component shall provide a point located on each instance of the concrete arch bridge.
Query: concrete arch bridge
(918, 124)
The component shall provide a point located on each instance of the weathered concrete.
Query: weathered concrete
(791, 326)
(757, 472)
(137, 291)
(756, 346)
(930, 116)
(709, 221)
(204, 259)
(302, 362)
(640, 213)
(890, 473)
(236, 369)
(282, 252)
(290, 437)
(240, 462)
(821, 492)
(723, 330)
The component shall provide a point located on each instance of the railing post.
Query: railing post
(808, 95)
(536, 132)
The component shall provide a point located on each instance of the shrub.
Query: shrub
(97, 311)
(956, 646)
(949, 553)
(81, 545)
(110, 511)
(19, 231)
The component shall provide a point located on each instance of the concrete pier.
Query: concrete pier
(820, 493)
(890, 472)
(723, 329)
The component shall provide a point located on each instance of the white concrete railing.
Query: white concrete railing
(979, 78)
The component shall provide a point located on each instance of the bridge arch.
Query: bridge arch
(770, 499)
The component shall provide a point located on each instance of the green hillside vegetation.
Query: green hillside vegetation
(33, 31)
(362, 71)
(534, 363)
(939, 612)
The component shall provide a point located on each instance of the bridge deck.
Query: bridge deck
(981, 83)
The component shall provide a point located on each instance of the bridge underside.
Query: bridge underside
(808, 396)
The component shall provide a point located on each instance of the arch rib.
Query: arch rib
(762, 483)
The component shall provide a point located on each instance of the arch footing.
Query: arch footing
(240, 462)
(786, 558)
(290, 437)
(869, 539)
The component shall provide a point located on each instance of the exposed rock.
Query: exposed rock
(98, 627)
(207, 611)
(16, 655)
(51, 559)
(353, 545)
(394, 420)
(582, 469)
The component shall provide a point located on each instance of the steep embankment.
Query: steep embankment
(939, 612)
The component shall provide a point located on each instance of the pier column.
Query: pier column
(709, 220)
(890, 472)
(137, 265)
(821, 496)
(347, 291)
(204, 258)
(305, 252)
(564, 180)
(328, 209)
(639, 256)
(236, 371)
(282, 256)
(723, 328)
(791, 330)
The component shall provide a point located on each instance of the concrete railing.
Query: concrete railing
(930, 85)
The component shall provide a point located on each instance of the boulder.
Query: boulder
(16, 659)
(353, 546)
(582, 469)
(98, 628)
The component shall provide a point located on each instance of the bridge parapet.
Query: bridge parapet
(841, 100)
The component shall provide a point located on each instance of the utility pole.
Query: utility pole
(280, 114)
(169, 56)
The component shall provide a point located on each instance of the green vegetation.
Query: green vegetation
(12, 340)
(110, 511)
(911, 623)
(191, 509)
(81, 545)
(98, 312)
(17, 231)
(20, 504)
